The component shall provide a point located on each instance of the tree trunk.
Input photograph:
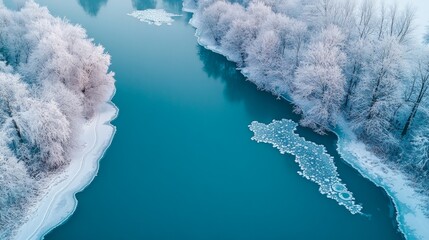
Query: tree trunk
(374, 95)
(351, 86)
(410, 119)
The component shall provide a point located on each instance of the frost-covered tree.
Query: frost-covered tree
(365, 20)
(358, 46)
(359, 52)
(288, 7)
(396, 23)
(417, 149)
(418, 91)
(52, 79)
(319, 83)
(244, 31)
(379, 93)
(36, 130)
(14, 98)
(217, 18)
(319, 14)
(16, 187)
(59, 76)
(241, 34)
(295, 40)
(48, 49)
(265, 53)
(293, 35)
(46, 132)
(68, 103)
(87, 77)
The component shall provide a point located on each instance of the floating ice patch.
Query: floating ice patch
(154, 16)
(316, 165)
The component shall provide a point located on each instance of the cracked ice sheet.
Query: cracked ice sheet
(316, 165)
(154, 16)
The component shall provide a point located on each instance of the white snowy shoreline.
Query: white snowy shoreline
(409, 204)
(58, 202)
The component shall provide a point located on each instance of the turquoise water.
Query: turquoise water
(182, 164)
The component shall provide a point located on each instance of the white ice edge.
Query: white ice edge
(411, 214)
(409, 204)
(58, 202)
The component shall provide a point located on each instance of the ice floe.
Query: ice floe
(316, 165)
(154, 16)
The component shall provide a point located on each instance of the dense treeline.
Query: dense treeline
(52, 79)
(337, 59)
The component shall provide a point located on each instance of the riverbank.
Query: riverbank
(411, 216)
(58, 202)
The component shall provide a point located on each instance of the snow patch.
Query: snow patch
(58, 201)
(154, 16)
(316, 165)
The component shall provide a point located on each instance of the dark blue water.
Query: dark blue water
(182, 165)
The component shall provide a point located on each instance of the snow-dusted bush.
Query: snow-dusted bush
(52, 79)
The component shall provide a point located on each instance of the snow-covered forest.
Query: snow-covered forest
(52, 79)
(358, 62)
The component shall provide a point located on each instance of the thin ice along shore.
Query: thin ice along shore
(221, 34)
(409, 201)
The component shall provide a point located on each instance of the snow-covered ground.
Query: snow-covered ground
(154, 16)
(58, 201)
(409, 203)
